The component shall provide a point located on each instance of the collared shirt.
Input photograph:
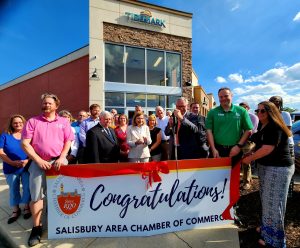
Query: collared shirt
(254, 120)
(48, 137)
(228, 126)
(286, 116)
(86, 125)
(162, 124)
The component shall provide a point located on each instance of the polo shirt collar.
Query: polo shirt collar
(45, 119)
(230, 110)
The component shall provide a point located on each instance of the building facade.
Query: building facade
(141, 53)
(138, 54)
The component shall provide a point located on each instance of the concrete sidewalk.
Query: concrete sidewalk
(18, 232)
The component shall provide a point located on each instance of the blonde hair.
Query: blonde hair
(10, 129)
(152, 118)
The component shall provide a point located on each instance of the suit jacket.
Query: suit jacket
(133, 134)
(192, 137)
(100, 147)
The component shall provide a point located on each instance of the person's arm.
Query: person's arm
(28, 149)
(157, 143)
(236, 149)
(82, 132)
(169, 128)
(211, 143)
(91, 149)
(62, 158)
(7, 160)
(261, 152)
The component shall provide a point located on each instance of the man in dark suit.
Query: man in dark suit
(101, 142)
(187, 132)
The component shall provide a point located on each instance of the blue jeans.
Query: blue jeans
(14, 183)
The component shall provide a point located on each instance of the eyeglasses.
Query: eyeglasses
(260, 111)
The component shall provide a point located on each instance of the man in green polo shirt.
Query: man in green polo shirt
(228, 127)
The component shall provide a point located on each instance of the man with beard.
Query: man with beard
(228, 127)
(88, 123)
(101, 142)
(46, 139)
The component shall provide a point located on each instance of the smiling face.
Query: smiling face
(159, 112)
(17, 124)
(139, 120)
(106, 120)
(225, 98)
(122, 120)
(262, 114)
(49, 105)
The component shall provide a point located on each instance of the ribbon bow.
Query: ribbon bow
(150, 170)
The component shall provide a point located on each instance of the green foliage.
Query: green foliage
(288, 109)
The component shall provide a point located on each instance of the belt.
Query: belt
(225, 147)
(164, 141)
(54, 158)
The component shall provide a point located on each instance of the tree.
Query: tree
(288, 109)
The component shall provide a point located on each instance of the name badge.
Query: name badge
(220, 114)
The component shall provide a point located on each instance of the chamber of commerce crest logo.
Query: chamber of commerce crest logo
(68, 196)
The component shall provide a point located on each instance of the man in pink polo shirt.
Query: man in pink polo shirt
(46, 139)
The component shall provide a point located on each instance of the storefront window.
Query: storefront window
(135, 65)
(171, 102)
(135, 99)
(155, 100)
(114, 99)
(114, 67)
(155, 68)
(173, 74)
(163, 68)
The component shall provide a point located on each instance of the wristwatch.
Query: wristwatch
(239, 145)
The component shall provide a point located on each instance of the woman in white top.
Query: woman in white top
(138, 138)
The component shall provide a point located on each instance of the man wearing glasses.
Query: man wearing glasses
(46, 139)
(187, 132)
(228, 127)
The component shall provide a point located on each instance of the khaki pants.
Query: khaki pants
(247, 174)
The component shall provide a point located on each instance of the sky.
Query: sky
(250, 46)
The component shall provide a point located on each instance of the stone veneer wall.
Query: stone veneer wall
(150, 39)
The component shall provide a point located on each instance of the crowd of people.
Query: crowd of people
(53, 139)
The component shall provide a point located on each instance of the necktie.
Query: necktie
(109, 134)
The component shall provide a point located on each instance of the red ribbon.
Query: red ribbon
(150, 170)
(234, 190)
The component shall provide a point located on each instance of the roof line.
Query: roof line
(157, 7)
(76, 54)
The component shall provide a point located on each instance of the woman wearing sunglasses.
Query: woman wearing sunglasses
(275, 170)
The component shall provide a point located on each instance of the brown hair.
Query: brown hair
(275, 116)
(50, 95)
(137, 114)
(95, 105)
(10, 129)
(123, 115)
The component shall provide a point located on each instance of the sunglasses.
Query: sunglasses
(260, 111)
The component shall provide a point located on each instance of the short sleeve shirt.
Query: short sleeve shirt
(228, 126)
(12, 148)
(272, 135)
(48, 137)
